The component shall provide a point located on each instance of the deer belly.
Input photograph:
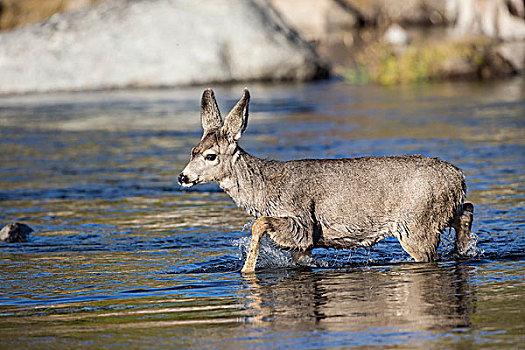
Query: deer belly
(352, 236)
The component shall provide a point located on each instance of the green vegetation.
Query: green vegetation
(383, 63)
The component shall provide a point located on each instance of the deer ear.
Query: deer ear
(237, 120)
(210, 114)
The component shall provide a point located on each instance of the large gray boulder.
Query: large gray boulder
(144, 43)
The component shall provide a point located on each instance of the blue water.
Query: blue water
(123, 257)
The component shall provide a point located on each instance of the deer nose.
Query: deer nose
(183, 179)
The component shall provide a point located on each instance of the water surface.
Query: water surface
(122, 257)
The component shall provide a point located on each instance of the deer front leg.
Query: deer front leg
(259, 228)
(283, 231)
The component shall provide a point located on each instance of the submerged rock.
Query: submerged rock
(15, 233)
(144, 43)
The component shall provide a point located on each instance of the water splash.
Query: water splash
(248, 226)
(447, 247)
(270, 256)
(473, 251)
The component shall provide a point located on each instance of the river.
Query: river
(122, 257)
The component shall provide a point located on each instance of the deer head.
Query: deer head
(212, 158)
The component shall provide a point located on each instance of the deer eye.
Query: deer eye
(211, 157)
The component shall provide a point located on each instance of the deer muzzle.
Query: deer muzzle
(183, 179)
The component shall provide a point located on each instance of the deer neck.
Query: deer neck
(246, 183)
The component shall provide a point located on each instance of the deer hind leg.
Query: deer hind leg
(421, 243)
(462, 225)
(304, 258)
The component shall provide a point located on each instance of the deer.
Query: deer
(330, 203)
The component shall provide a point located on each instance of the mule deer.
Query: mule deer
(338, 203)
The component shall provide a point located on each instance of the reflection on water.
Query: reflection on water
(409, 301)
(122, 257)
(437, 297)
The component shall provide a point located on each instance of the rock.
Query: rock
(396, 35)
(72, 5)
(458, 68)
(514, 54)
(485, 62)
(496, 66)
(491, 18)
(15, 233)
(316, 20)
(405, 12)
(516, 7)
(141, 43)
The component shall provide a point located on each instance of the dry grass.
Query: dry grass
(16, 13)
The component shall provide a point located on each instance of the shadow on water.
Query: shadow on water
(122, 257)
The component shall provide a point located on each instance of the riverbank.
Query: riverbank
(396, 41)
(94, 44)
